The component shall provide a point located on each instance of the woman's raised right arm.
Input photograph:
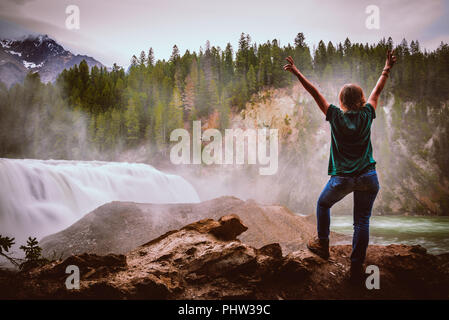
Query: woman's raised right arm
(374, 96)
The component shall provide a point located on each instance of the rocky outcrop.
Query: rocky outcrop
(205, 260)
(119, 227)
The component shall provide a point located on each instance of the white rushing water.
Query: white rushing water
(40, 197)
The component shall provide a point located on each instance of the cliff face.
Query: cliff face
(204, 260)
(410, 144)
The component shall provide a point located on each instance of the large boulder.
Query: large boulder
(205, 260)
(119, 227)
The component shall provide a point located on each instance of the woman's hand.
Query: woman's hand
(319, 98)
(391, 60)
(291, 66)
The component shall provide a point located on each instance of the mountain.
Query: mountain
(37, 54)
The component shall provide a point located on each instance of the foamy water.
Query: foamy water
(40, 197)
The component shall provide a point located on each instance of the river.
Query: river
(430, 232)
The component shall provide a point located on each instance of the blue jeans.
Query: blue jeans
(365, 188)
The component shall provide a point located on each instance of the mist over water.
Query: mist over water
(40, 197)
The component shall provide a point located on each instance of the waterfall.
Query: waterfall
(40, 197)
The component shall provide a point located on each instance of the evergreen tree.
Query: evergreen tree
(174, 112)
(320, 60)
(134, 61)
(252, 80)
(299, 40)
(114, 129)
(228, 72)
(142, 59)
(159, 127)
(132, 123)
(175, 54)
(150, 59)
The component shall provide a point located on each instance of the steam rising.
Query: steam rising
(304, 144)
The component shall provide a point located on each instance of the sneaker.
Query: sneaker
(320, 247)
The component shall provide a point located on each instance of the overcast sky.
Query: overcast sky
(113, 30)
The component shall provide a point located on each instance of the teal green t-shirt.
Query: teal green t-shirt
(351, 149)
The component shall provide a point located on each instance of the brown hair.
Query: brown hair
(352, 97)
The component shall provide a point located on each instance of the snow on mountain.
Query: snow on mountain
(16, 53)
(39, 54)
(32, 65)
